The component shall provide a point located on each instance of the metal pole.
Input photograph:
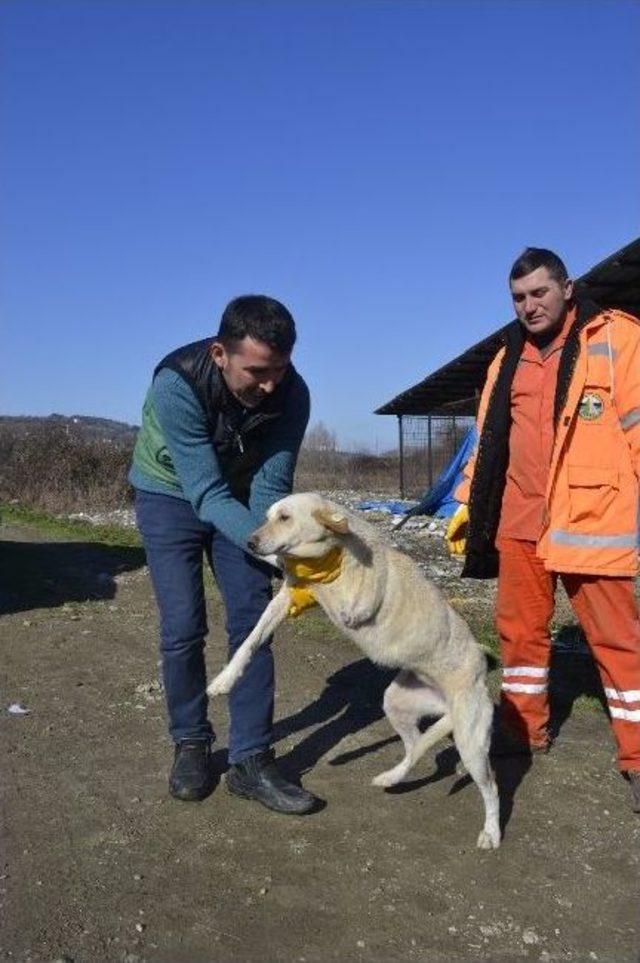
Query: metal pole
(401, 453)
(430, 454)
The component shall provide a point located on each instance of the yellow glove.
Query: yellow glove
(456, 534)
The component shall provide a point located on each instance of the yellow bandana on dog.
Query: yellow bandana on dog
(306, 571)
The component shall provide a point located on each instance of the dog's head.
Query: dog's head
(302, 526)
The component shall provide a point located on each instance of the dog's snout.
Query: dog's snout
(252, 543)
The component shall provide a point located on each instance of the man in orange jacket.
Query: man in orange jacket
(552, 492)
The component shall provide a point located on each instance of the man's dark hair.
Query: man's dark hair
(259, 317)
(533, 258)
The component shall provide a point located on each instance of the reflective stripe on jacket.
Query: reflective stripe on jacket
(591, 524)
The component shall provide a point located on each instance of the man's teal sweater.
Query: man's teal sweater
(199, 477)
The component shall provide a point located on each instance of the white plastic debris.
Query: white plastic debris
(17, 709)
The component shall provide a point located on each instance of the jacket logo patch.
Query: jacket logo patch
(591, 406)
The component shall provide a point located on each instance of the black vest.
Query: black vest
(237, 434)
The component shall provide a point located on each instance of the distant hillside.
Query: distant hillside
(85, 427)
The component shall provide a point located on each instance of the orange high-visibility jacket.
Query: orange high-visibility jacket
(591, 523)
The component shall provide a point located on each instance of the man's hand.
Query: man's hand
(456, 534)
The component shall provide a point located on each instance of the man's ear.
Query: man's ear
(219, 354)
(332, 520)
(568, 289)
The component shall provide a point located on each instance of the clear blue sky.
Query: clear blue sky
(375, 165)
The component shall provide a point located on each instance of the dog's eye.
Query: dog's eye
(284, 517)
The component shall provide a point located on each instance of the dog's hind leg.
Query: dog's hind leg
(472, 713)
(406, 701)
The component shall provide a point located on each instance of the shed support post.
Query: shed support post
(401, 455)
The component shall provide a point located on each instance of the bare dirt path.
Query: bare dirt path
(99, 864)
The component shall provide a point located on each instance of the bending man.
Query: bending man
(221, 429)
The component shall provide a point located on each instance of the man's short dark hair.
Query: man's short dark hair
(259, 317)
(533, 258)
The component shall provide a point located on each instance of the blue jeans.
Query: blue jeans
(175, 541)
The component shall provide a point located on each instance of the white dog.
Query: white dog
(379, 598)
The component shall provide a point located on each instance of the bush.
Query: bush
(337, 470)
(57, 470)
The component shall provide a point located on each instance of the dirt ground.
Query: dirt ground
(98, 863)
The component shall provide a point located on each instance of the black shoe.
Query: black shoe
(634, 781)
(192, 774)
(257, 777)
(504, 743)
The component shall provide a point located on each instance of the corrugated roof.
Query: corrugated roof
(452, 389)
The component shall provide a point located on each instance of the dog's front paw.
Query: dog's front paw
(222, 684)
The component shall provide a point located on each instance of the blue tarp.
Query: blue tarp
(395, 508)
(439, 500)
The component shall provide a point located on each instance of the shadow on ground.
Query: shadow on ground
(572, 674)
(36, 575)
(350, 701)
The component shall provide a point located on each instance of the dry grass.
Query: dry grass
(340, 470)
(55, 469)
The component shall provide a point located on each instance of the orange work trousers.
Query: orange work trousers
(608, 613)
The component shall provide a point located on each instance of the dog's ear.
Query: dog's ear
(332, 520)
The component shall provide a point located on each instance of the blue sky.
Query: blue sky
(375, 165)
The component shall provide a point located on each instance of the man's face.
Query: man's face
(540, 301)
(251, 369)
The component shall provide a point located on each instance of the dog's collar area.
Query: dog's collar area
(309, 571)
(323, 569)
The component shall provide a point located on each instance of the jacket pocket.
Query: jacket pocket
(592, 492)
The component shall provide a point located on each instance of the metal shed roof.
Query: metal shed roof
(452, 389)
